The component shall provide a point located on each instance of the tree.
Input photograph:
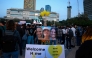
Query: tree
(82, 20)
(48, 23)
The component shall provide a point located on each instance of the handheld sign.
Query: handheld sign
(44, 51)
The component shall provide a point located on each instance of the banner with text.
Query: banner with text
(44, 51)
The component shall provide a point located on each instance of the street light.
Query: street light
(44, 15)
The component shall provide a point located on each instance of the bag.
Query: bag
(9, 42)
(70, 33)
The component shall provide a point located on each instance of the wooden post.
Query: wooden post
(45, 21)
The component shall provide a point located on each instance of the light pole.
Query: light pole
(44, 15)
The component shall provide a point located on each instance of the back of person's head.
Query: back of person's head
(67, 26)
(10, 25)
(3, 22)
(28, 25)
(85, 50)
(24, 26)
(88, 34)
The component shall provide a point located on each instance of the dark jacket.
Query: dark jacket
(2, 29)
(85, 50)
(16, 33)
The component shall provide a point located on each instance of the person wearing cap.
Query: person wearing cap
(46, 33)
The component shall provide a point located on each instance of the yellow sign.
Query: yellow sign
(55, 51)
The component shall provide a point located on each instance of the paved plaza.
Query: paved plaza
(71, 54)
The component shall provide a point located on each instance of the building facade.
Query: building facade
(48, 8)
(88, 8)
(29, 14)
(30, 4)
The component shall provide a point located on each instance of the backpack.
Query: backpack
(79, 32)
(70, 33)
(9, 42)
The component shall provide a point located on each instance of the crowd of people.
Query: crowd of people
(23, 34)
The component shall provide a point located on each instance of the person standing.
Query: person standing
(2, 29)
(59, 35)
(79, 33)
(63, 35)
(31, 32)
(10, 41)
(69, 35)
(73, 42)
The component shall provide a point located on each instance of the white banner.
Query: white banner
(44, 51)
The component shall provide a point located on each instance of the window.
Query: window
(32, 17)
(53, 15)
(14, 11)
(32, 13)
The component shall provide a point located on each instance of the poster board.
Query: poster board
(44, 51)
(47, 32)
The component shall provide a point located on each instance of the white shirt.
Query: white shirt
(64, 31)
(73, 29)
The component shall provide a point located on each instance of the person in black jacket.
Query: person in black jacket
(2, 28)
(10, 41)
(85, 50)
